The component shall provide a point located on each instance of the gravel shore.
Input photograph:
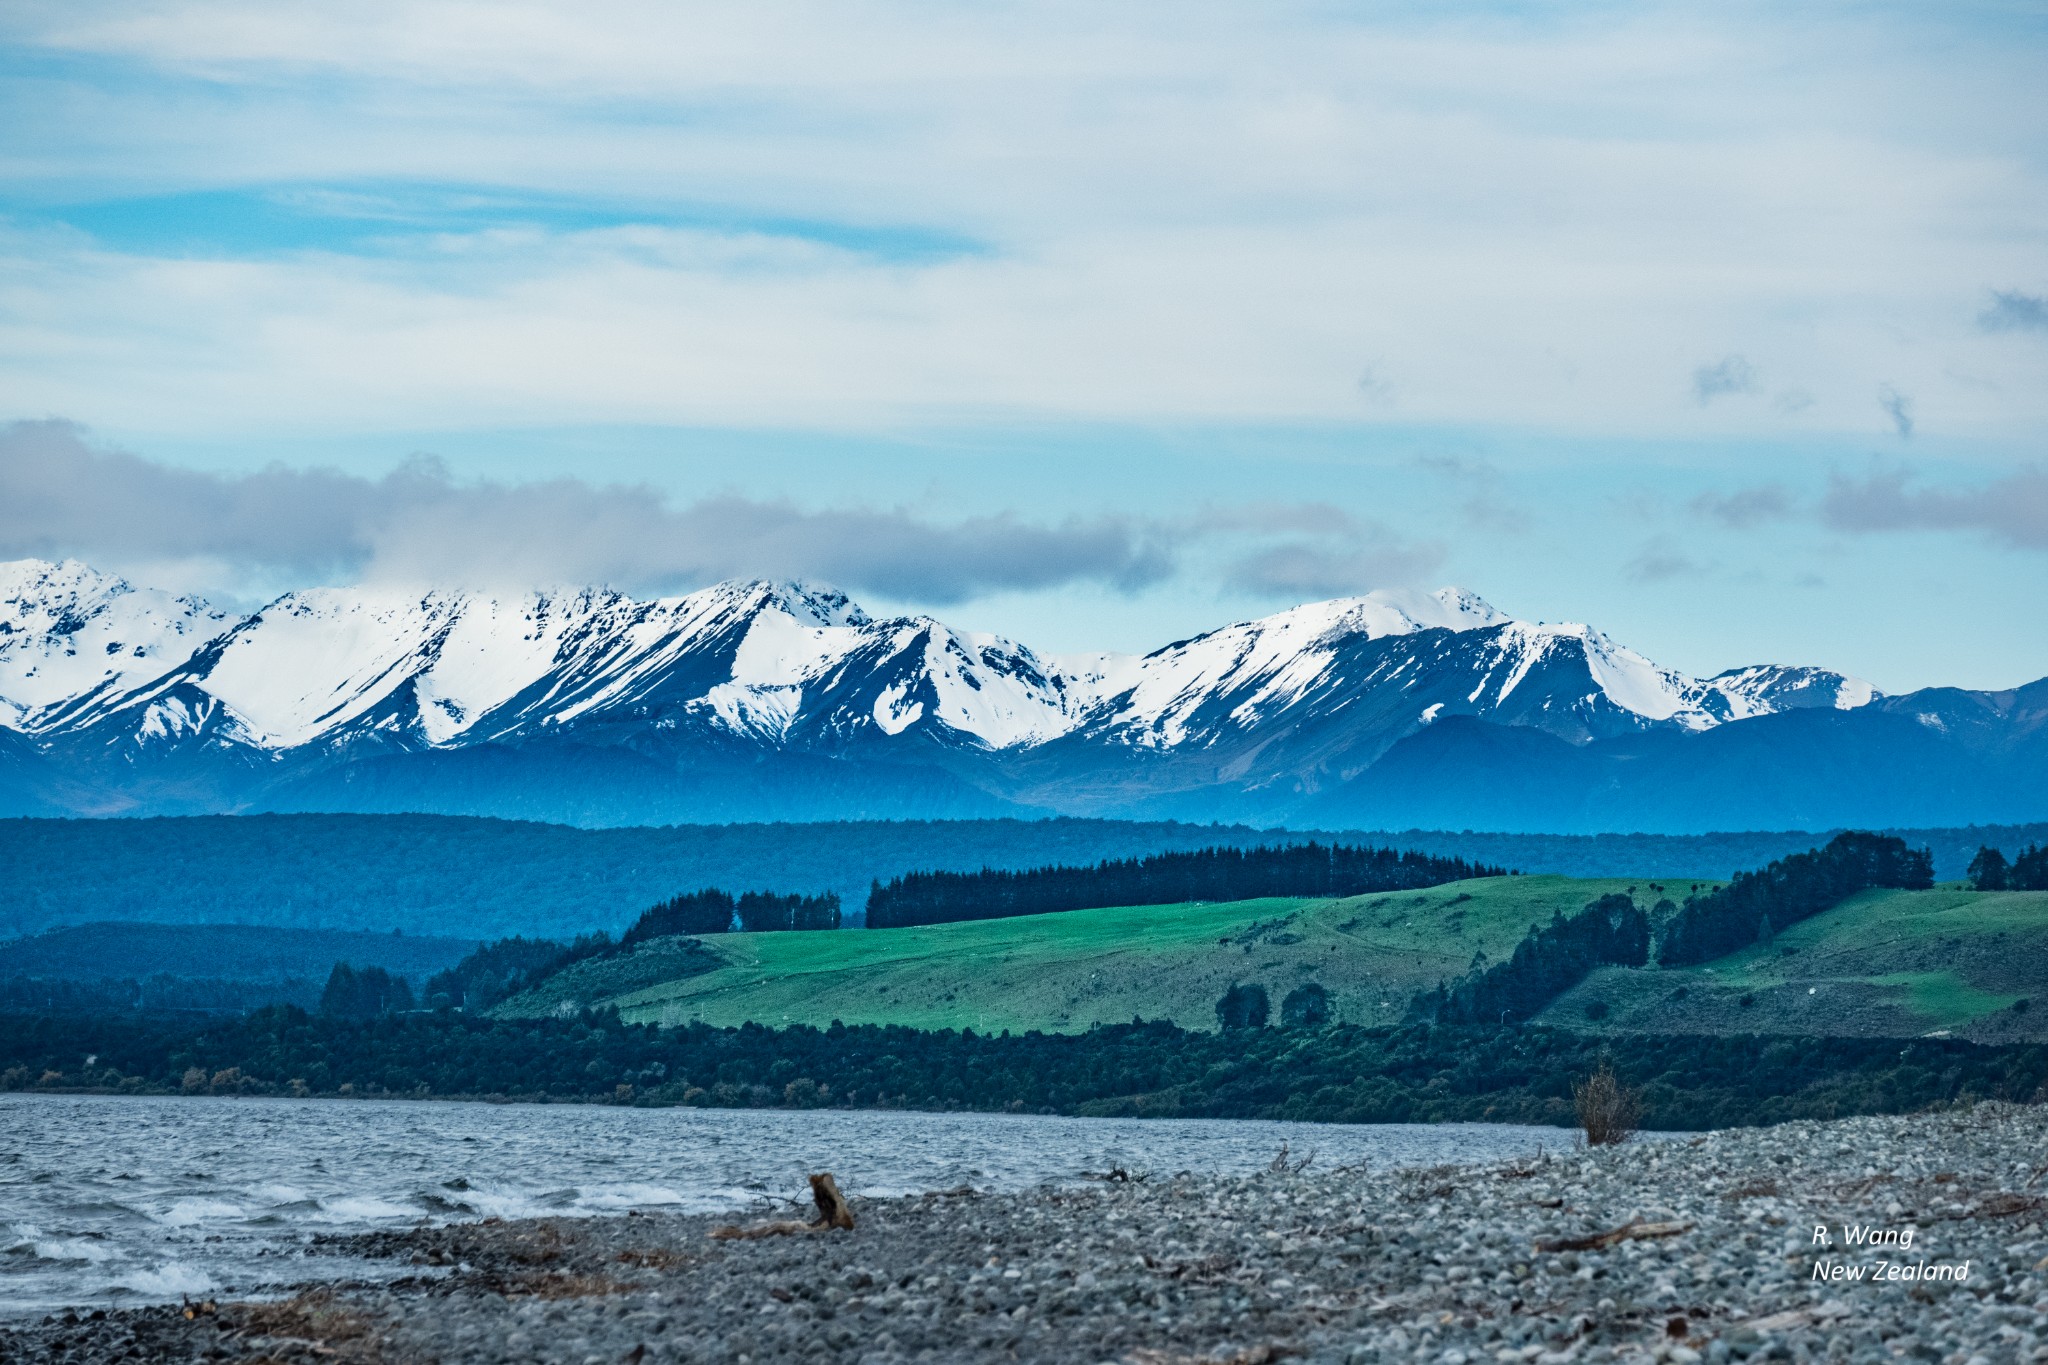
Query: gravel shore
(1452, 1265)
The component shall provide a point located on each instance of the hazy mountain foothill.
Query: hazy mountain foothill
(754, 701)
(486, 879)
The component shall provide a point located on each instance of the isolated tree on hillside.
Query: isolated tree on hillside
(1306, 1006)
(1243, 1007)
(1988, 869)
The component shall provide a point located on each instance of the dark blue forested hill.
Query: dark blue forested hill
(1943, 757)
(220, 952)
(478, 878)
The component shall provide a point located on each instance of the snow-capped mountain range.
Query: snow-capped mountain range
(755, 699)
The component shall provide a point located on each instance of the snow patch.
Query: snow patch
(774, 661)
(68, 630)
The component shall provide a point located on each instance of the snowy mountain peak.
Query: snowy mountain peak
(68, 631)
(792, 665)
(1762, 689)
(1376, 615)
(806, 603)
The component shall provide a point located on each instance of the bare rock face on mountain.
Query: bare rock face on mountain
(754, 700)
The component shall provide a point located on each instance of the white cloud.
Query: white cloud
(2011, 511)
(61, 496)
(1189, 211)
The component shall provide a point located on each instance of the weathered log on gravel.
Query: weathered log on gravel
(1633, 1230)
(833, 1212)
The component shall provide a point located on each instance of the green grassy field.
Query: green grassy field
(1898, 963)
(1064, 972)
(1886, 963)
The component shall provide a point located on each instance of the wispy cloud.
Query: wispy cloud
(60, 495)
(2012, 511)
(1746, 507)
(1487, 501)
(1312, 549)
(2012, 311)
(1659, 560)
(1376, 557)
(1732, 374)
(1897, 408)
(390, 216)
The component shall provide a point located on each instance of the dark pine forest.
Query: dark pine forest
(1209, 874)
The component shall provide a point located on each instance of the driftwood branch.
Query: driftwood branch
(1633, 1230)
(833, 1212)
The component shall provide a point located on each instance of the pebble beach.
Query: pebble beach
(1921, 1238)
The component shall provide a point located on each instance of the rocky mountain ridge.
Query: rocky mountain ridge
(782, 700)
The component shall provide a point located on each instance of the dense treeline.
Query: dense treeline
(709, 911)
(1547, 963)
(487, 879)
(159, 993)
(1755, 905)
(712, 911)
(219, 952)
(1341, 1073)
(1209, 874)
(2028, 871)
(763, 912)
(364, 993)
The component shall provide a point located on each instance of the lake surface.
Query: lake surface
(117, 1200)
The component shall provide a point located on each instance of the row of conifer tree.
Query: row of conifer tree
(712, 911)
(1750, 907)
(1754, 905)
(1210, 874)
(2028, 870)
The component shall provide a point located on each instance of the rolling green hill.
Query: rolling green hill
(1885, 963)
(1064, 972)
(1888, 963)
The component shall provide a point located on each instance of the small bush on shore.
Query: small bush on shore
(1609, 1112)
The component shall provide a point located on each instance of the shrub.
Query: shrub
(1306, 1006)
(1243, 1007)
(1609, 1112)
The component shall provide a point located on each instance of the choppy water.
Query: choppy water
(127, 1200)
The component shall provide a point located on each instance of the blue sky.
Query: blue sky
(1096, 326)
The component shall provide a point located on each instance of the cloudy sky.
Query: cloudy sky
(1724, 328)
